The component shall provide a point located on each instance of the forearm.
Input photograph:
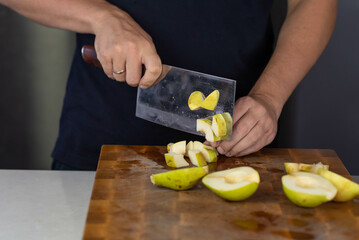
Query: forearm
(303, 37)
(74, 15)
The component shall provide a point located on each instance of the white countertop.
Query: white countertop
(44, 204)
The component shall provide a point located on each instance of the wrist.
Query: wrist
(274, 102)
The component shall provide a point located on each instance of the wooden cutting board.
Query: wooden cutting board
(125, 204)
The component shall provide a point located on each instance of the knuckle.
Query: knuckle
(155, 69)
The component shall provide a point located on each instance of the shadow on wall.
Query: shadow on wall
(36, 62)
(323, 112)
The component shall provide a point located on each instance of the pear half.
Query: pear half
(179, 179)
(211, 101)
(296, 167)
(307, 189)
(195, 100)
(347, 189)
(234, 184)
(205, 126)
(175, 160)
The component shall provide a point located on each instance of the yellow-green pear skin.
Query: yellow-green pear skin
(197, 158)
(242, 183)
(209, 155)
(307, 189)
(229, 122)
(219, 125)
(175, 160)
(195, 100)
(210, 102)
(179, 179)
(347, 189)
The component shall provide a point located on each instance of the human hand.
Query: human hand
(254, 126)
(123, 46)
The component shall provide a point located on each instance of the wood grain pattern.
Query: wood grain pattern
(125, 204)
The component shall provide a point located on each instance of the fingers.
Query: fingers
(255, 128)
(119, 70)
(153, 70)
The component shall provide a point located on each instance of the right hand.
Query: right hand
(121, 44)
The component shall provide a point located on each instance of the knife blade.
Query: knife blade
(166, 103)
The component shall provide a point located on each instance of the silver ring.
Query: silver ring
(119, 72)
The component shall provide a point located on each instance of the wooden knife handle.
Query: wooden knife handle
(89, 55)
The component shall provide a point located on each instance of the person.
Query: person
(231, 39)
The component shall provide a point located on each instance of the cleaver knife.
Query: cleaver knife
(166, 103)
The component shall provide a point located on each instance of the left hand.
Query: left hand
(254, 126)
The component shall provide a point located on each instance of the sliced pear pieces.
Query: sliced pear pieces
(234, 184)
(175, 160)
(307, 189)
(195, 100)
(205, 126)
(209, 155)
(347, 189)
(211, 101)
(180, 179)
(296, 167)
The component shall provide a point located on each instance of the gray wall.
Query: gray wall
(322, 113)
(35, 61)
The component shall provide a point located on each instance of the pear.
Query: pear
(234, 184)
(210, 102)
(175, 160)
(179, 179)
(169, 147)
(209, 155)
(195, 100)
(211, 148)
(205, 126)
(295, 167)
(190, 146)
(347, 189)
(197, 158)
(229, 123)
(307, 189)
(219, 125)
(197, 145)
(179, 148)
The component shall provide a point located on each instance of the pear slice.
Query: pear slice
(195, 100)
(347, 189)
(219, 125)
(169, 147)
(211, 148)
(210, 102)
(205, 126)
(190, 146)
(234, 184)
(307, 189)
(179, 179)
(179, 148)
(197, 145)
(197, 158)
(295, 167)
(209, 155)
(229, 123)
(175, 160)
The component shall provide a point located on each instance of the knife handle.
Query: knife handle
(89, 55)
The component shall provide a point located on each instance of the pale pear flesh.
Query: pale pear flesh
(307, 189)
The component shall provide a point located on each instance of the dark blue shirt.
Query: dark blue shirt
(227, 38)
